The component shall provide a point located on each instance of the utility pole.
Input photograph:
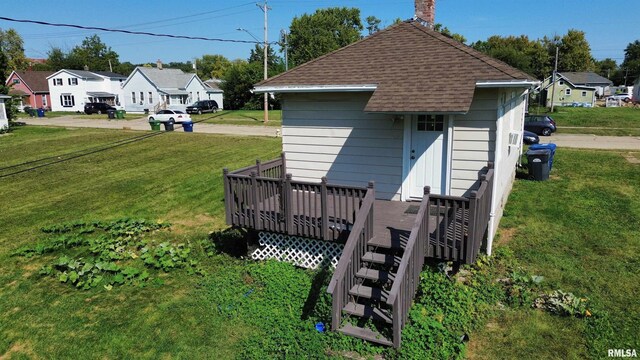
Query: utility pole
(265, 8)
(286, 49)
(553, 88)
(111, 68)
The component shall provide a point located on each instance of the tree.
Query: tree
(575, 52)
(631, 64)
(12, 45)
(606, 68)
(445, 31)
(11, 106)
(92, 53)
(184, 66)
(326, 30)
(212, 66)
(518, 51)
(373, 24)
(238, 82)
(257, 55)
(56, 59)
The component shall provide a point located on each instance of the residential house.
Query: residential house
(71, 89)
(31, 87)
(575, 89)
(151, 89)
(404, 115)
(636, 90)
(4, 119)
(215, 92)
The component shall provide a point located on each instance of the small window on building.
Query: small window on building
(150, 97)
(57, 82)
(133, 97)
(16, 81)
(67, 100)
(584, 94)
(44, 101)
(141, 96)
(72, 81)
(430, 123)
(567, 91)
(560, 82)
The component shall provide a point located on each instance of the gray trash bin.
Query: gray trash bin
(168, 126)
(539, 164)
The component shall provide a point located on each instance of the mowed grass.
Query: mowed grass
(622, 117)
(241, 117)
(581, 231)
(174, 177)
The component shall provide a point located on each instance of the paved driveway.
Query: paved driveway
(142, 124)
(593, 142)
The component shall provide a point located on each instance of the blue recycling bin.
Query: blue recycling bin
(550, 147)
(41, 112)
(187, 126)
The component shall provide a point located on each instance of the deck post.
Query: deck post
(324, 212)
(284, 165)
(288, 204)
(256, 201)
(259, 167)
(471, 230)
(227, 195)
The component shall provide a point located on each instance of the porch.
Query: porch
(385, 242)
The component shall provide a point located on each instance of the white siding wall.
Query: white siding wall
(79, 92)
(474, 140)
(330, 135)
(4, 122)
(136, 84)
(218, 97)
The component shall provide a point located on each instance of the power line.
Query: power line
(127, 31)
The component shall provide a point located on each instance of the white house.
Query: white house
(636, 91)
(71, 89)
(160, 88)
(4, 120)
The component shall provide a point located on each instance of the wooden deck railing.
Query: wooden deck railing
(264, 198)
(460, 226)
(407, 278)
(344, 277)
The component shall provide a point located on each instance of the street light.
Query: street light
(249, 32)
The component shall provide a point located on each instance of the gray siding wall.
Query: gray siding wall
(474, 140)
(329, 134)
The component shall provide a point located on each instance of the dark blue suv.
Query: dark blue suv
(540, 124)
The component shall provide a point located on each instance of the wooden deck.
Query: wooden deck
(393, 221)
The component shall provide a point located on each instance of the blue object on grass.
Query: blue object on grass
(320, 327)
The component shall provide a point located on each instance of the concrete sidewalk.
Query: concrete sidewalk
(593, 141)
(143, 124)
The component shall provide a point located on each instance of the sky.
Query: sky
(608, 25)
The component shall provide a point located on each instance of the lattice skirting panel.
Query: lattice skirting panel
(303, 252)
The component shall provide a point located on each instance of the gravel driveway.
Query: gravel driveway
(593, 142)
(143, 124)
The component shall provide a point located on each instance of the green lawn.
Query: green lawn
(581, 231)
(622, 117)
(55, 114)
(241, 117)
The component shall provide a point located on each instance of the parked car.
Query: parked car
(540, 124)
(529, 138)
(97, 108)
(623, 97)
(202, 106)
(169, 116)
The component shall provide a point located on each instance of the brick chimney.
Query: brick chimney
(426, 11)
(159, 64)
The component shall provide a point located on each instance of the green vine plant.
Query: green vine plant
(109, 253)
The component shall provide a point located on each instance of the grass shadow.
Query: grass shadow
(318, 291)
(231, 241)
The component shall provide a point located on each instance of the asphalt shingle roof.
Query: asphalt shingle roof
(36, 80)
(415, 69)
(167, 78)
(586, 78)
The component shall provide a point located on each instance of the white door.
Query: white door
(427, 155)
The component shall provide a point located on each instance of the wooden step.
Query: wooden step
(365, 334)
(383, 259)
(367, 312)
(375, 275)
(369, 292)
(382, 241)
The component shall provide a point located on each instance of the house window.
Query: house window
(141, 97)
(72, 81)
(567, 91)
(150, 97)
(430, 122)
(44, 101)
(133, 97)
(57, 82)
(16, 81)
(584, 94)
(67, 100)
(198, 95)
(560, 82)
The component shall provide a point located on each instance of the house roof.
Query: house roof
(214, 84)
(586, 79)
(166, 78)
(35, 80)
(411, 67)
(93, 75)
